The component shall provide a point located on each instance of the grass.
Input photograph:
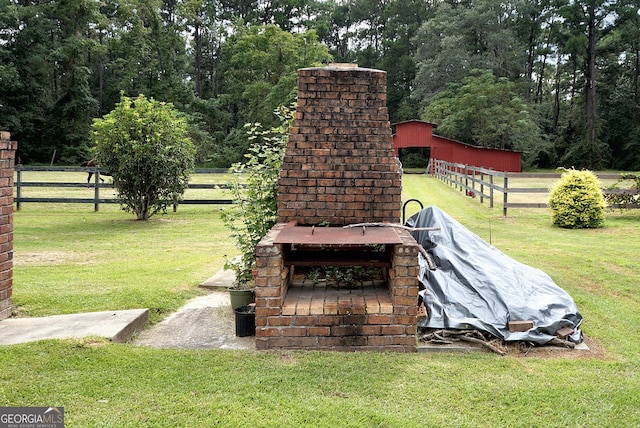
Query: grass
(69, 259)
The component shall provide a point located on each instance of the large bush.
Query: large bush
(144, 144)
(577, 202)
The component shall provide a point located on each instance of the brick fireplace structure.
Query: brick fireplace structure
(7, 159)
(339, 170)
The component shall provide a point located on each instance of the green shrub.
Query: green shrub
(255, 196)
(576, 201)
(145, 146)
(626, 191)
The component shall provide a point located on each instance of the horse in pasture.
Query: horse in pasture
(93, 164)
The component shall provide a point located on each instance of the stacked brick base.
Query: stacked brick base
(7, 159)
(351, 324)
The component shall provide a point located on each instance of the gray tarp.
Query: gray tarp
(477, 286)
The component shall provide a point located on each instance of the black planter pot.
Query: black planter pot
(245, 321)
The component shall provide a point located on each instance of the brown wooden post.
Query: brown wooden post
(96, 190)
(18, 185)
(491, 191)
(505, 195)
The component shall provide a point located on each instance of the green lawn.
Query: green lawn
(70, 259)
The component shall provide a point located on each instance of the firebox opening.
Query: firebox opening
(335, 271)
(338, 290)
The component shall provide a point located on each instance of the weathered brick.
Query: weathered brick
(329, 320)
(380, 319)
(268, 332)
(278, 321)
(392, 329)
(380, 340)
(319, 331)
(7, 156)
(294, 331)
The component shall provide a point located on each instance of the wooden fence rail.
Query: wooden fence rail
(97, 184)
(484, 183)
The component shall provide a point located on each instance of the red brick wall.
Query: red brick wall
(340, 167)
(7, 159)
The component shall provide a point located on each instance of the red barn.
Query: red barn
(417, 133)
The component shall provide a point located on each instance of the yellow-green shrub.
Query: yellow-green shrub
(576, 201)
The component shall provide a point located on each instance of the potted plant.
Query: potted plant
(254, 187)
(242, 290)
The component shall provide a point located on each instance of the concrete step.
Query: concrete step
(118, 326)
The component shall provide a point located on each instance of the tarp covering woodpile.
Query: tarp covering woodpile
(472, 285)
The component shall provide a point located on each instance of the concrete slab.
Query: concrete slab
(222, 279)
(118, 326)
(206, 322)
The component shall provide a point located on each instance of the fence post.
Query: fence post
(482, 174)
(505, 195)
(18, 186)
(473, 180)
(491, 191)
(466, 180)
(96, 192)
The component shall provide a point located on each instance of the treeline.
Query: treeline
(556, 79)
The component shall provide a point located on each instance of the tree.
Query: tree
(619, 87)
(261, 66)
(229, 62)
(462, 37)
(485, 111)
(588, 20)
(200, 19)
(74, 107)
(26, 98)
(260, 69)
(144, 144)
(403, 18)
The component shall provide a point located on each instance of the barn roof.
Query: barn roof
(434, 126)
(419, 133)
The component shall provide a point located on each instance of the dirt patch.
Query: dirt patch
(513, 349)
(594, 351)
(47, 258)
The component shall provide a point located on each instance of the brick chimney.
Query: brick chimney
(340, 167)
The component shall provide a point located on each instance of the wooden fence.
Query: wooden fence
(488, 184)
(97, 185)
